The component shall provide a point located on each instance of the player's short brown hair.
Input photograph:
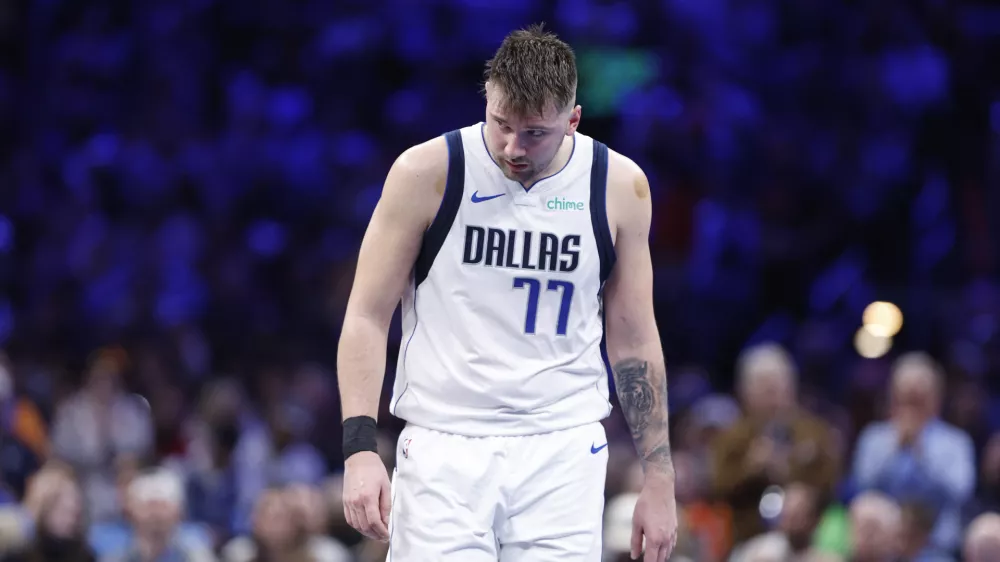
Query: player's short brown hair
(534, 69)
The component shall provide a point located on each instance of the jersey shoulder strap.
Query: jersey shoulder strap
(599, 209)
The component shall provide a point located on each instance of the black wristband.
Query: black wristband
(359, 435)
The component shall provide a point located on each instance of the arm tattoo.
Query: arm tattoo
(635, 394)
(645, 409)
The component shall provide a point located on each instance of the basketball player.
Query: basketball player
(512, 243)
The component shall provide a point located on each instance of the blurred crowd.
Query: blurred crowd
(765, 475)
(184, 185)
(770, 477)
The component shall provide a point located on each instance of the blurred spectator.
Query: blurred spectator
(982, 539)
(293, 458)
(987, 497)
(708, 522)
(23, 440)
(775, 443)
(371, 551)
(21, 419)
(155, 509)
(793, 537)
(709, 519)
(60, 533)
(314, 392)
(833, 531)
(766, 548)
(876, 527)
(697, 430)
(113, 536)
(771, 548)
(168, 405)
(97, 425)
(308, 512)
(917, 522)
(337, 527)
(19, 521)
(227, 460)
(277, 534)
(968, 408)
(311, 510)
(916, 457)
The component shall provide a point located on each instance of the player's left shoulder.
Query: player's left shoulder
(628, 193)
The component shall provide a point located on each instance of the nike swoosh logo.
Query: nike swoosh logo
(477, 199)
(594, 450)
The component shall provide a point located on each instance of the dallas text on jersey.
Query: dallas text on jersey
(498, 248)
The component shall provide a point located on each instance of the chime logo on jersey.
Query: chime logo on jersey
(563, 204)
(521, 249)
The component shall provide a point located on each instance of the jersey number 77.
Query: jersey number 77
(565, 288)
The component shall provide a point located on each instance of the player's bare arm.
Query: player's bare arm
(410, 197)
(637, 356)
(633, 338)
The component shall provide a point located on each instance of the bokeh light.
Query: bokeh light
(771, 502)
(882, 319)
(871, 345)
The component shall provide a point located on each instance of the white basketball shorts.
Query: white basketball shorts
(534, 498)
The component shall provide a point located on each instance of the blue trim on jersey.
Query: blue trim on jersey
(604, 349)
(605, 246)
(482, 133)
(599, 209)
(453, 190)
(406, 348)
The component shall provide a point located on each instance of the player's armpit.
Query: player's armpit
(632, 335)
(410, 198)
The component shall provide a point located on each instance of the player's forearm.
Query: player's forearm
(641, 382)
(361, 365)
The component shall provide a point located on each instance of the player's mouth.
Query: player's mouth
(520, 167)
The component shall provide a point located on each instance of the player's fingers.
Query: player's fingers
(652, 552)
(374, 518)
(352, 517)
(347, 515)
(636, 549)
(668, 549)
(385, 503)
(361, 522)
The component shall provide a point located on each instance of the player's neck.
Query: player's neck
(561, 158)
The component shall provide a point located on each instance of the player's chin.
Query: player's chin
(518, 175)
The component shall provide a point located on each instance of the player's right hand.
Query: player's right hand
(367, 499)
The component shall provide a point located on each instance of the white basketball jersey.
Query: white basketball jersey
(503, 330)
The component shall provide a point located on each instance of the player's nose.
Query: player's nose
(513, 149)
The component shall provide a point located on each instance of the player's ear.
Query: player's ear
(574, 120)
